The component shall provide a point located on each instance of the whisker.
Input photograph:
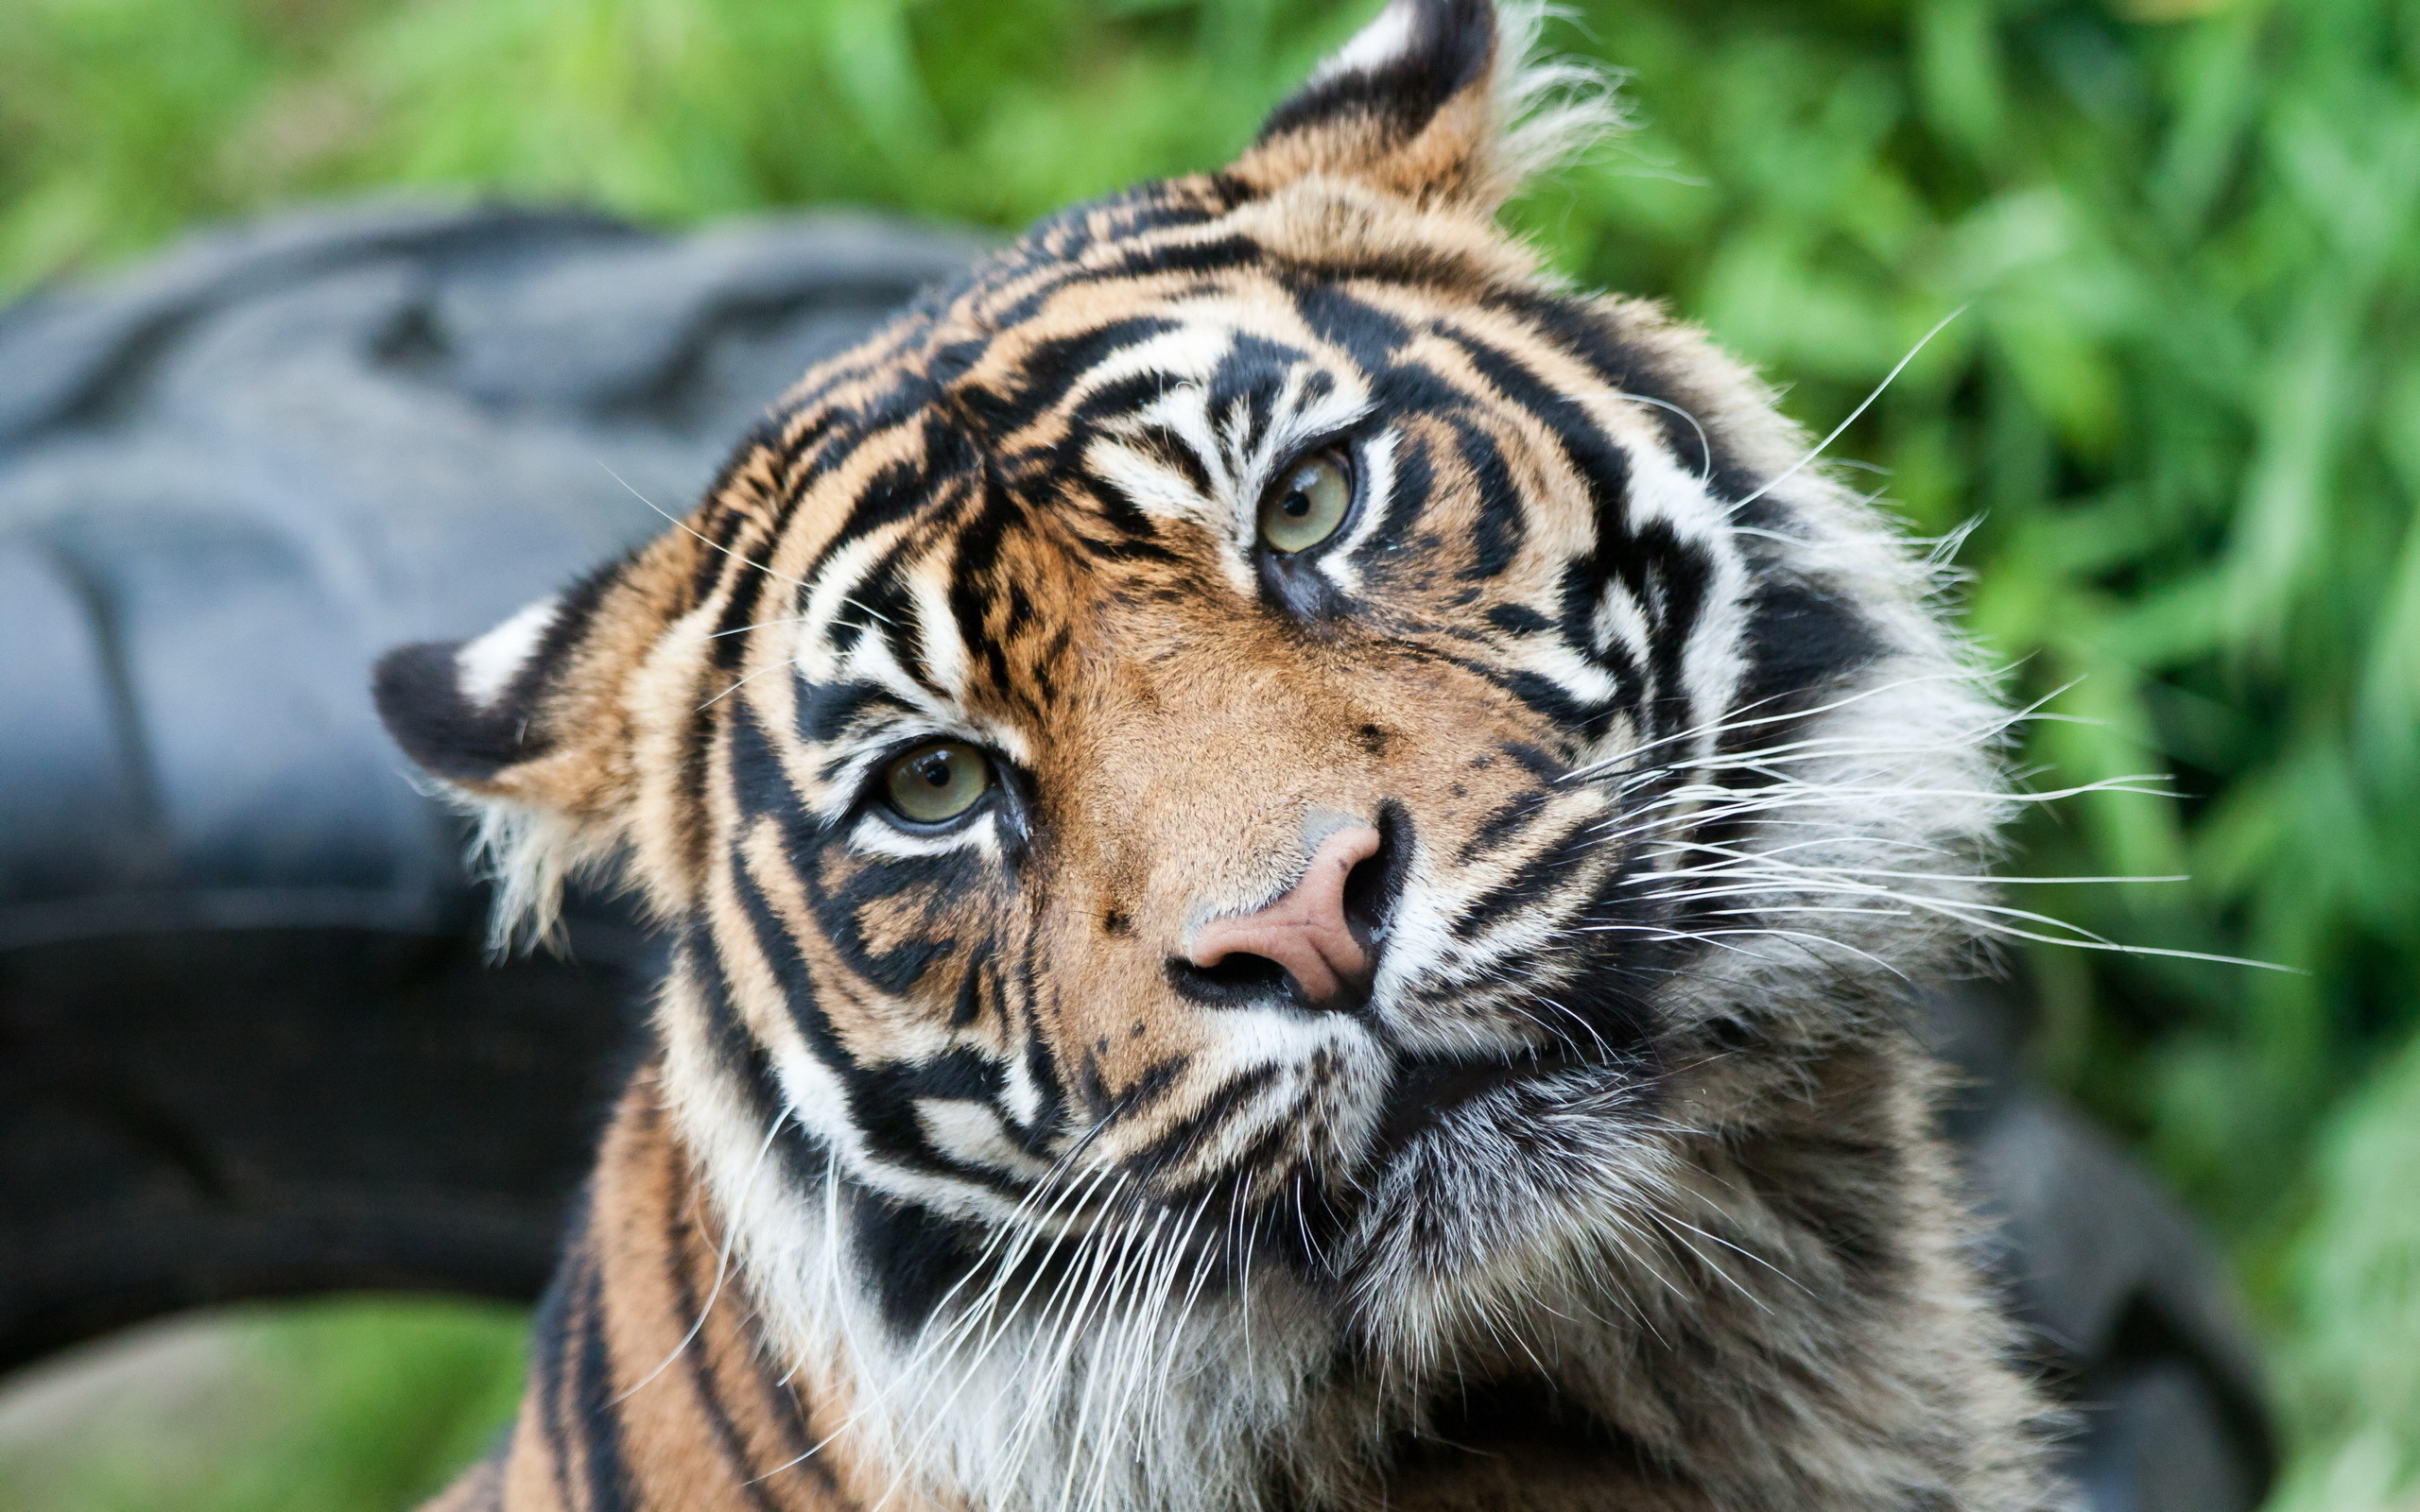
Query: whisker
(685, 524)
(1888, 379)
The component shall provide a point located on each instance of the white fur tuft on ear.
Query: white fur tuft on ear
(526, 729)
(1553, 110)
(487, 666)
(1380, 43)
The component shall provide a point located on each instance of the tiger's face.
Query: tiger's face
(1182, 730)
(1257, 719)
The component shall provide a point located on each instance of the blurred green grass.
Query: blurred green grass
(2183, 405)
(341, 1404)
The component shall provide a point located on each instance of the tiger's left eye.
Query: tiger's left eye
(1308, 506)
(935, 784)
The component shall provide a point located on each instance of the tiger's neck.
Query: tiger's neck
(656, 1383)
(653, 1385)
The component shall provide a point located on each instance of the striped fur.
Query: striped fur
(957, 1183)
(625, 1410)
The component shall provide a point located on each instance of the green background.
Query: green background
(2182, 414)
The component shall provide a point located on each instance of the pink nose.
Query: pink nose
(1304, 932)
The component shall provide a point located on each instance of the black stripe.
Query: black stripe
(1584, 332)
(1217, 255)
(1218, 1110)
(758, 780)
(881, 1096)
(1803, 637)
(1502, 515)
(1144, 1093)
(688, 1311)
(968, 1007)
(1530, 883)
(1669, 578)
(604, 1476)
(549, 1343)
(1341, 318)
(741, 1059)
(1052, 368)
(866, 880)
(911, 1255)
(1510, 818)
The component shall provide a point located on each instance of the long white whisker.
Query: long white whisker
(1888, 379)
(685, 525)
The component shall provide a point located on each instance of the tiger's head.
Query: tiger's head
(1257, 758)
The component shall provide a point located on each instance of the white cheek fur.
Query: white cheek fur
(873, 835)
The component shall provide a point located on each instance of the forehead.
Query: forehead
(1179, 331)
(1071, 443)
(1098, 313)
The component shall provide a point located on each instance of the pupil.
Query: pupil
(1297, 505)
(935, 770)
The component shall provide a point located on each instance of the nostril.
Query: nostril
(1374, 882)
(1237, 976)
(1365, 889)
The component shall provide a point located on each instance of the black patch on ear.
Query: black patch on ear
(1452, 41)
(418, 692)
(419, 689)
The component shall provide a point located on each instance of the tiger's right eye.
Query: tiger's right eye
(1307, 506)
(935, 784)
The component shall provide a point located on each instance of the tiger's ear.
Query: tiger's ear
(533, 727)
(1436, 101)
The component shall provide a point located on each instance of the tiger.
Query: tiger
(1294, 857)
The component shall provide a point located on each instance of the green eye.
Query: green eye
(935, 784)
(1308, 506)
